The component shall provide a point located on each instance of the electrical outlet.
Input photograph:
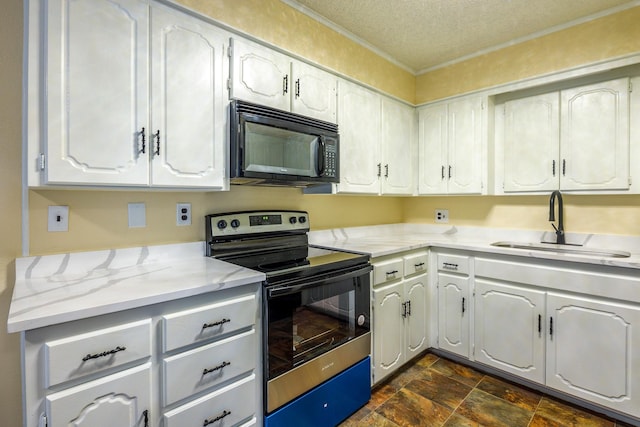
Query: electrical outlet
(183, 214)
(442, 215)
(58, 218)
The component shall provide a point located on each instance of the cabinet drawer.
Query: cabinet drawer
(229, 405)
(207, 322)
(80, 355)
(196, 370)
(415, 263)
(115, 400)
(453, 263)
(387, 270)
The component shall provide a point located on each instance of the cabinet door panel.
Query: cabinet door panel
(188, 110)
(465, 131)
(260, 75)
(591, 351)
(509, 330)
(595, 136)
(531, 143)
(416, 323)
(387, 327)
(432, 150)
(359, 122)
(97, 91)
(453, 314)
(117, 400)
(397, 147)
(314, 92)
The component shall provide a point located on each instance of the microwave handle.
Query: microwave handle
(320, 160)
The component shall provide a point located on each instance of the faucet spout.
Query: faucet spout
(560, 228)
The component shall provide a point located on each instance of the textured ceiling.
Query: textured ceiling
(423, 34)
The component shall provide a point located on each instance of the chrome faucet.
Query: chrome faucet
(552, 217)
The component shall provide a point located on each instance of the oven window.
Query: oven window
(310, 322)
(274, 150)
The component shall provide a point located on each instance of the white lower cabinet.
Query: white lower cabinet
(509, 331)
(399, 311)
(192, 361)
(593, 350)
(227, 406)
(561, 327)
(454, 320)
(121, 399)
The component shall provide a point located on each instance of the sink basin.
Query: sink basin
(563, 249)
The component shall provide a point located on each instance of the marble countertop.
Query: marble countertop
(60, 288)
(382, 240)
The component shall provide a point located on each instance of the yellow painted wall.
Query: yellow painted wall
(608, 37)
(582, 214)
(10, 176)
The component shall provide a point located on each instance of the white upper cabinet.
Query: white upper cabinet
(129, 103)
(359, 124)
(451, 144)
(267, 77)
(376, 142)
(398, 130)
(188, 117)
(594, 136)
(575, 139)
(96, 104)
(531, 129)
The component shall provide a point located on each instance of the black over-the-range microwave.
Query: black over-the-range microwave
(275, 147)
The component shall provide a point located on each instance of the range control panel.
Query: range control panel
(254, 222)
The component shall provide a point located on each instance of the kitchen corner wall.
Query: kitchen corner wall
(10, 211)
(612, 36)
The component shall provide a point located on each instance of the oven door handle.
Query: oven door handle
(294, 288)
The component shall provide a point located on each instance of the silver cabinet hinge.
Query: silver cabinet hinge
(43, 421)
(230, 48)
(630, 86)
(42, 161)
(229, 83)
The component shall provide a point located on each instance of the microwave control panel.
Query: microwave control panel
(331, 158)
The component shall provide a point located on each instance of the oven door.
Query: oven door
(314, 329)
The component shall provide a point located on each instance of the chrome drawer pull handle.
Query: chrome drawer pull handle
(218, 323)
(103, 354)
(218, 418)
(217, 368)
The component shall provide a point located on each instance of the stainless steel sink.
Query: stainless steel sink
(563, 249)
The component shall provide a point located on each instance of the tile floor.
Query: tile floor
(434, 391)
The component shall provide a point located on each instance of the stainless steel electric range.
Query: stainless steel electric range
(316, 315)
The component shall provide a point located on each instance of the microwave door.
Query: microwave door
(269, 149)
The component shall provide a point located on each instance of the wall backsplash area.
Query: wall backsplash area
(102, 215)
